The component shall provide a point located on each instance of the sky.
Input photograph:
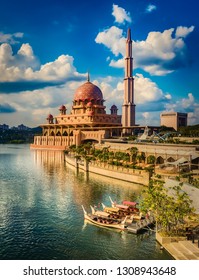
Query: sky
(48, 47)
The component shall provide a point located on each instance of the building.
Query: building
(88, 119)
(173, 119)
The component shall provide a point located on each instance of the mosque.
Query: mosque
(88, 119)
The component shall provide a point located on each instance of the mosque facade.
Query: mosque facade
(88, 119)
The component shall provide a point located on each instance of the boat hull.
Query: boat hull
(116, 226)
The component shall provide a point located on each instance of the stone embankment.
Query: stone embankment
(125, 174)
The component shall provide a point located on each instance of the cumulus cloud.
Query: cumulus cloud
(23, 71)
(183, 31)
(150, 8)
(160, 54)
(33, 106)
(113, 39)
(10, 38)
(147, 91)
(121, 15)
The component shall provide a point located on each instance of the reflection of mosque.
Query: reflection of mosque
(88, 120)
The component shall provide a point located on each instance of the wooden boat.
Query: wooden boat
(104, 219)
(128, 208)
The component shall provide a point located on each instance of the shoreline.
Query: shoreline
(139, 177)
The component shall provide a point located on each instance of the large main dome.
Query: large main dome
(88, 91)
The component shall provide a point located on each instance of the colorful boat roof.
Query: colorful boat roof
(102, 214)
(129, 203)
(121, 206)
(111, 209)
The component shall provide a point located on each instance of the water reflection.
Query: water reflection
(41, 215)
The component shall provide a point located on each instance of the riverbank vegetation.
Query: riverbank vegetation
(131, 158)
(14, 136)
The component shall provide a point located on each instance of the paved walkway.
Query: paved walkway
(193, 192)
(183, 250)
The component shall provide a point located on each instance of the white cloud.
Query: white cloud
(32, 107)
(120, 14)
(113, 39)
(183, 31)
(160, 54)
(150, 8)
(10, 38)
(147, 91)
(25, 66)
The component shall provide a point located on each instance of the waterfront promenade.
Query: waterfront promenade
(180, 249)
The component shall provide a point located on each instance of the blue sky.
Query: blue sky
(47, 47)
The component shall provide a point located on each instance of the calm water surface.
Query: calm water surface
(41, 215)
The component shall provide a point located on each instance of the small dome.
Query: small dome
(62, 108)
(50, 116)
(113, 107)
(88, 91)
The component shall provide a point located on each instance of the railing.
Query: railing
(118, 168)
(193, 235)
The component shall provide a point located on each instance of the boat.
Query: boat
(104, 219)
(132, 205)
(128, 208)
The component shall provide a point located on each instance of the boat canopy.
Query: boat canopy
(111, 209)
(102, 214)
(121, 206)
(129, 203)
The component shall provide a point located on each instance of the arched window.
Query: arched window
(170, 159)
(159, 160)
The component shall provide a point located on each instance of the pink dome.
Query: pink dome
(89, 104)
(88, 91)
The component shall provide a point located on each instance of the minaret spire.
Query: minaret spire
(128, 108)
(129, 34)
(88, 77)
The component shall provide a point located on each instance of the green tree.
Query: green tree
(170, 206)
(151, 159)
(133, 154)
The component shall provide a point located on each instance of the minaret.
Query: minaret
(128, 108)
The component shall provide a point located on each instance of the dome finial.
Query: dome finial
(88, 76)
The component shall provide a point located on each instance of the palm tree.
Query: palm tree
(133, 153)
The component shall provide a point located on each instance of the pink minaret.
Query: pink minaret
(128, 107)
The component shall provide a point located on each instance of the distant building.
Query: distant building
(4, 126)
(173, 119)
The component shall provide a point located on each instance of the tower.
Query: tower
(128, 107)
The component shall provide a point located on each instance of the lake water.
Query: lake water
(41, 215)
